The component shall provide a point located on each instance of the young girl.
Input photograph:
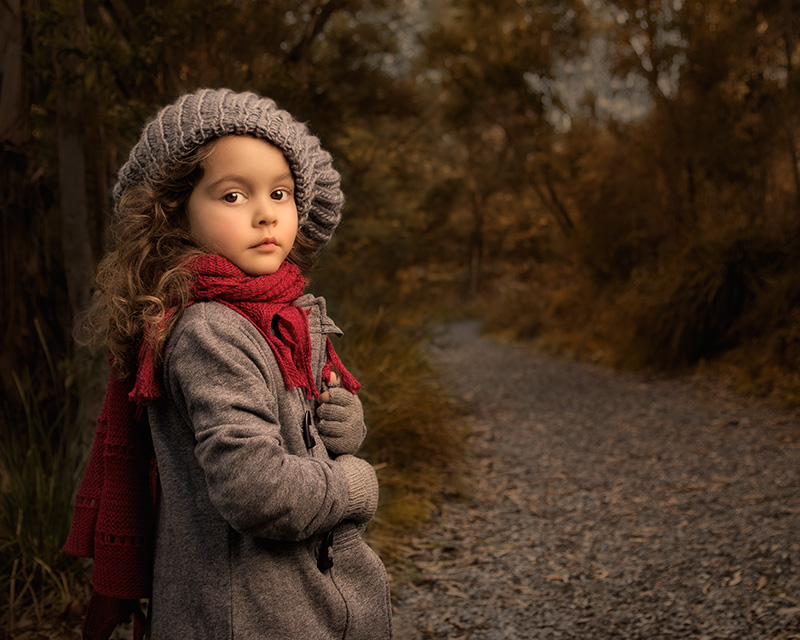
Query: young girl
(258, 504)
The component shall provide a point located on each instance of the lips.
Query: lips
(265, 243)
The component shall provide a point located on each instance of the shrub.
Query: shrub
(691, 308)
(40, 464)
(415, 437)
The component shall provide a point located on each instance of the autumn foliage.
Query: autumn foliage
(616, 179)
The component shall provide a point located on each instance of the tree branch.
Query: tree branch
(316, 23)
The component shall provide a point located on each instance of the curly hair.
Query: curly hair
(144, 283)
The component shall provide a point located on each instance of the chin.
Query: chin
(261, 271)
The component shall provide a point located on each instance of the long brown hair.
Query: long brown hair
(146, 274)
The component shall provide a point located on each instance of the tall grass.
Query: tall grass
(415, 435)
(727, 297)
(691, 309)
(40, 462)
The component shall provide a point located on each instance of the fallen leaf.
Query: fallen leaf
(453, 590)
(521, 588)
(788, 611)
(762, 582)
(736, 579)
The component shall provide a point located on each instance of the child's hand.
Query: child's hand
(341, 424)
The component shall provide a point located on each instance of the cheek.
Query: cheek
(293, 223)
(207, 226)
(216, 232)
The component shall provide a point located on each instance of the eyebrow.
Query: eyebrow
(235, 177)
(286, 176)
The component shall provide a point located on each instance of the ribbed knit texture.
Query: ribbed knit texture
(113, 518)
(362, 486)
(113, 511)
(207, 114)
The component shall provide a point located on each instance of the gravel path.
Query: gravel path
(606, 504)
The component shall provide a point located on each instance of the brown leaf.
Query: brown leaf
(558, 576)
(453, 590)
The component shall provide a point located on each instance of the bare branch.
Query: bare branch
(316, 23)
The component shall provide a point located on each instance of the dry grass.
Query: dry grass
(40, 462)
(415, 437)
(728, 303)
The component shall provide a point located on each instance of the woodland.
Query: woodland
(616, 180)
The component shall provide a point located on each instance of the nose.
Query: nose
(264, 214)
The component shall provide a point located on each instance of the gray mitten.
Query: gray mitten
(362, 487)
(341, 424)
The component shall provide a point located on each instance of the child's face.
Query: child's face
(243, 208)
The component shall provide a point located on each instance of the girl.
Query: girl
(258, 504)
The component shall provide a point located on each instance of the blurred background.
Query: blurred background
(613, 180)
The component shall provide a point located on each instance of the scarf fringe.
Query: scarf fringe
(333, 362)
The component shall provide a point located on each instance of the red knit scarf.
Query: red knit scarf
(266, 301)
(113, 519)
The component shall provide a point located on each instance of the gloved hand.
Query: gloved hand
(341, 424)
(362, 488)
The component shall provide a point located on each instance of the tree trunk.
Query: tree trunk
(319, 18)
(12, 111)
(789, 109)
(70, 110)
(76, 243)
(549, 198)
(75, 238)
(475, 248)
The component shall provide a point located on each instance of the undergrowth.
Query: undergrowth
(693, 310)
(40, 462)
(415, 437)
(728, 302)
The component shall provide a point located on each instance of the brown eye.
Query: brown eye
(280, 195)
(232, 198)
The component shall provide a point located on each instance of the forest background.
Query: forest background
(614, 179)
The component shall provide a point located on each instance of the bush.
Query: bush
(415, 437)
(765, 359)
(691, 309)
(40, 465)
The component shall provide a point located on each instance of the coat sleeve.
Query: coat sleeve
(222, 376)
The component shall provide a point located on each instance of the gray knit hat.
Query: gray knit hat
(207, 114)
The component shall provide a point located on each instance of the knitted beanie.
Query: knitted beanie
(207, 114)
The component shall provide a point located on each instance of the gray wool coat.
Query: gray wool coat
(244, 507)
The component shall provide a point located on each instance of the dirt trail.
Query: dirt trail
(607, 505)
